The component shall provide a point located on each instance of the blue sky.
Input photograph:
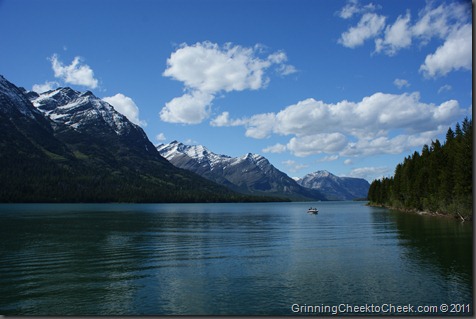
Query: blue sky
(351, 87)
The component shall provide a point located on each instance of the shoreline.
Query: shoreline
(424, 213)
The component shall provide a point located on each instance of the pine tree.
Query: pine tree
(438, 180)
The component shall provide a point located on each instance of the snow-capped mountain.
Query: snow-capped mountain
(74, 147)
(336, 188)
(250, 173)
(14, 101)
(83, 113)
(23, 128)
(77, 109)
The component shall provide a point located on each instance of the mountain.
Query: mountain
(68, 146)
(90, 125)
(248, 174)
(27, 146)
(336, 188)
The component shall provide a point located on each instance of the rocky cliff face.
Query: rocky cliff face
(249, 174)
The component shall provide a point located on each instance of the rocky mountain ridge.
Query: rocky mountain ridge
(68, 146)
(253, 173)
(336, 188)
(249, 174)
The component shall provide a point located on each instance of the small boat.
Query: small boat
(312, 210)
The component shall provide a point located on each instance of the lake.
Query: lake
(231, 259)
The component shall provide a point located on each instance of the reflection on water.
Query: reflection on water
(241, 259)
(442, 244)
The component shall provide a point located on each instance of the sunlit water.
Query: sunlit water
(231, 259)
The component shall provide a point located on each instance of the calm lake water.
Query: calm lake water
(229, 259)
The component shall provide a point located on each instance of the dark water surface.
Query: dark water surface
(231, 259)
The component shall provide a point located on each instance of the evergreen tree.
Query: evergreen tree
(440, 179)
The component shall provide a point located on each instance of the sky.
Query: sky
(351, 86)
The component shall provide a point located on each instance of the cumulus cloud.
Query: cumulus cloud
(76, 73)
(438, 22)
(160, 137)
(260, 125)
(47, 86)
(276, 148)
(400, 83)
(454, 54)
(206, 68)
(386, 145)
(449, 23)
(190, 108)
(378, 124)
(126, 106)
(317, 143)
(353, 7)
(370, 173)
(369, 26)
(293, 166)
(397, 36)
(330, 158)
(224, 120)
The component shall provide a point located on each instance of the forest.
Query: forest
(439, 180)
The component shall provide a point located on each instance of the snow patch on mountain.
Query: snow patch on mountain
(250, 173)
(197, 152)
(13, 98)
(338, 188)
(78, 109)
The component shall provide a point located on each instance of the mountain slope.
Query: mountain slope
(29, 151)
(248, 174)
(94, 130)
(336, 188)
(74, 147)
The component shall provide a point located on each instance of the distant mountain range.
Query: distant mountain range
(248, 174)
(68, 146)
(254, 174)
(336, 188)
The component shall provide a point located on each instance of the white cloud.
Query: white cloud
(330, 158)
(438, 22)
(276, 148)
(206, 68)
(76, 73)
(190, 141)
(316, 144)
(353, 7)
(349, 9)
(160, 137)
(286, 69)
(370, 173)
(401, 83)
(260, 125)
(454, 54)
(445, 88)
(224, 120)
(348, 161)
(369, 26)
(47, 86)
(126, 106)
(450, 23)
(397, 36)
(378, 124)
(386, 145)
(293, 166)
(190, 108)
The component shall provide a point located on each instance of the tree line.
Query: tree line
(439, 180)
